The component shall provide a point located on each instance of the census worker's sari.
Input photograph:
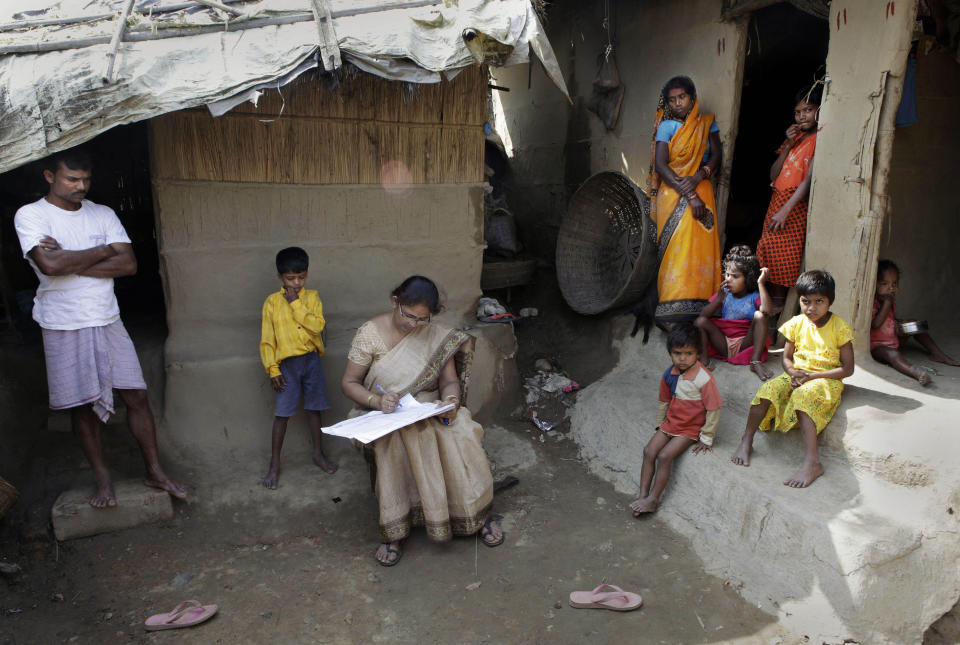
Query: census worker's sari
(428, 474)
(688, 249)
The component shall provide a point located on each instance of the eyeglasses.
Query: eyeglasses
(412, 318)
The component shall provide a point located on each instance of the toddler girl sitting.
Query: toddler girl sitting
(885, 337)
(739, 335)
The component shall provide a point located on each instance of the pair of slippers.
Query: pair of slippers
(186, 614)
(616, 600)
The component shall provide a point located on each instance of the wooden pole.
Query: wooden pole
(143, 8)
(147, 33)
(115, 43)
(222, 7)
(329, 47)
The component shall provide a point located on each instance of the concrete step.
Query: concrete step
(137, 505)
(868, 552)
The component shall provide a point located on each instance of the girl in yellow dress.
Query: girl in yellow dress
(817, 357)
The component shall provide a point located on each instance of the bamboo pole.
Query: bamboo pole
(222, 7)
(329, 47)
(115, 43)
(143, 8)
(147, 33)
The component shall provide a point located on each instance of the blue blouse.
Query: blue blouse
(669, 127)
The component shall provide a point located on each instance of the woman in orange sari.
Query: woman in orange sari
(687, 152)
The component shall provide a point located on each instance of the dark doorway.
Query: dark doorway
(786, 50)
(121, 180)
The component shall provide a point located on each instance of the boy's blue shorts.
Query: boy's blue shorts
(304, 375)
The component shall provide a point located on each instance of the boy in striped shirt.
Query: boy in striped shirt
(688, 414)
(290, 348)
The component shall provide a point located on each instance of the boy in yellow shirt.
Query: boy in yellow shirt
(290, 348)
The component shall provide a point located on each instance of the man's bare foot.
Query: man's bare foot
(161, 481)
(103, 496)
(270, 479)
(643, 505)
(921, 375)
(389, 554)
(741, 456)
(327, 465)
(805, 476)
(761, 370)
(943, 358)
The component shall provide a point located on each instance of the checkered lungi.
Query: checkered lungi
(782, 251)
(85, 365)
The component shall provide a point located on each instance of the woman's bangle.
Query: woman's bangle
(369, 398)
(452, 397)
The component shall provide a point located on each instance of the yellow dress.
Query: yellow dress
(816, 349)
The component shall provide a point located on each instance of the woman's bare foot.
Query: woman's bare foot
(761, 370)
(389, 554)
(741, 456)
(103, 496)
(643, 505)
(921, 375)
(805, 476)
(327, 465)
(708, 363)
(159, 480)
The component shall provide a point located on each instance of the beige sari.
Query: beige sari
(428, 474)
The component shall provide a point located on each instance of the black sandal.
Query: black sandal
(390, 563)
(485, 531)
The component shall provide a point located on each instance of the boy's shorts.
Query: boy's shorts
(304, 375)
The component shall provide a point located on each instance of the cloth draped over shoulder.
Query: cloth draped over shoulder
(688, 249)
(427, 474)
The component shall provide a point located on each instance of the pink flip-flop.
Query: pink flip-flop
(186, 614)
(617, 600)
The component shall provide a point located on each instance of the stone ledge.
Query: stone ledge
(137, 505)
(869, 552)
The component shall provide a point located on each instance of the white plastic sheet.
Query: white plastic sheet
(55, 100)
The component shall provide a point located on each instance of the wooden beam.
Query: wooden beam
(115, 42)
(145, 33)
(329, 47)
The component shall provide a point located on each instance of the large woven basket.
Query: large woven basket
(8, 496)
(607, 245)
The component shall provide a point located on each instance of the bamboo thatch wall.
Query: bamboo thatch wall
(361, 132)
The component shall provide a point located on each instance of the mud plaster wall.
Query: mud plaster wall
(865, 64)
(555, 146)
(923, 225)
(364, 232)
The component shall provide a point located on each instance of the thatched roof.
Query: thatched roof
(68, 71)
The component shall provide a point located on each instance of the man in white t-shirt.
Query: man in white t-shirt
(77, 248)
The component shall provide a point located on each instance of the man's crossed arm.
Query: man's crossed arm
(104, 261)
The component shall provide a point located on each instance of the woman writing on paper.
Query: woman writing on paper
(428, 473)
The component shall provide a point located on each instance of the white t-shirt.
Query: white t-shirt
(71, 301)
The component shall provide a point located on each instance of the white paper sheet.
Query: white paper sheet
(376, 424)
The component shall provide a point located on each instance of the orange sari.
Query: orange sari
(689, 249)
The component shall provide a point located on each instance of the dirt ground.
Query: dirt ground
(296, 565)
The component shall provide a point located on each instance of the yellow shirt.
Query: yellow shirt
(817, 349)
(290, 329)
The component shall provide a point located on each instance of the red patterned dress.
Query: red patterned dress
(782, 251)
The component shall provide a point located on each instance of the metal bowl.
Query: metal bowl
(913, 327)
